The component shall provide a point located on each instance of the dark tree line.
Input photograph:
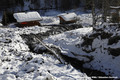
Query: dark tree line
(108, 14)
(69, 4)
(4, 4)
(57, 4)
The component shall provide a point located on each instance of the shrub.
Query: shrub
(113, 40)
(114, 52)
(87, 41)
(105, 35)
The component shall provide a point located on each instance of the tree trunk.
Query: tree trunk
(93, 13)
(105, 9)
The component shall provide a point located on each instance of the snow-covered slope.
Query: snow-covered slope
(18, 63)
(68, 42)
(105, 60)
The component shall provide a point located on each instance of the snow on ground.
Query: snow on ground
(86, 19)
(52, 13)
(18, 63)
(70, 42)
(50, 17)
(50, 20)
(103, 61)
(15, 53)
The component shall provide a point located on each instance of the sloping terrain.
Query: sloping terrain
(98, 48)
(18, 63)
(102, 43)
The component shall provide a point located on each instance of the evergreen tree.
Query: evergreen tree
(8, 18)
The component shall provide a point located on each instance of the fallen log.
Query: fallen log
(51, 50)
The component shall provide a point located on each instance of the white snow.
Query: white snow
(27, 16)
(16, 53)
(103, 61)
(50, 20)
(115, 7)
(68, 16)
(18, 63)
(68, 41)
(1, 24)
(86, 19)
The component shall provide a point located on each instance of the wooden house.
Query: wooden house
(25, 19)
(67, 18)
(115, 14)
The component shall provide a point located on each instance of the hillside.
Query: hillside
(59, 40)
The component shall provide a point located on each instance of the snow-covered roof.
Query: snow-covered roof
(1, 24)
(68, 16)
(27, 16)
(115, 7)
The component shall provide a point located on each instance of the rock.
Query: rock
(8, 77)
(28, 57)
(38, 48)
(7, 40)
(114, 51)
(31, 69)
(113, 40)
(49, 77)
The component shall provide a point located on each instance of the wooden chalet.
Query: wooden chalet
(25, 19)
(67, 18)
(115, 14)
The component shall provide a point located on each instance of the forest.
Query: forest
(53, 4)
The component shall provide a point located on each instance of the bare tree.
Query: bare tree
(100, 12)
(93, 13)
(105, 9)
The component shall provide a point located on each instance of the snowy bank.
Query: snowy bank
(68, 42)
(71, 42)
(18, 63)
